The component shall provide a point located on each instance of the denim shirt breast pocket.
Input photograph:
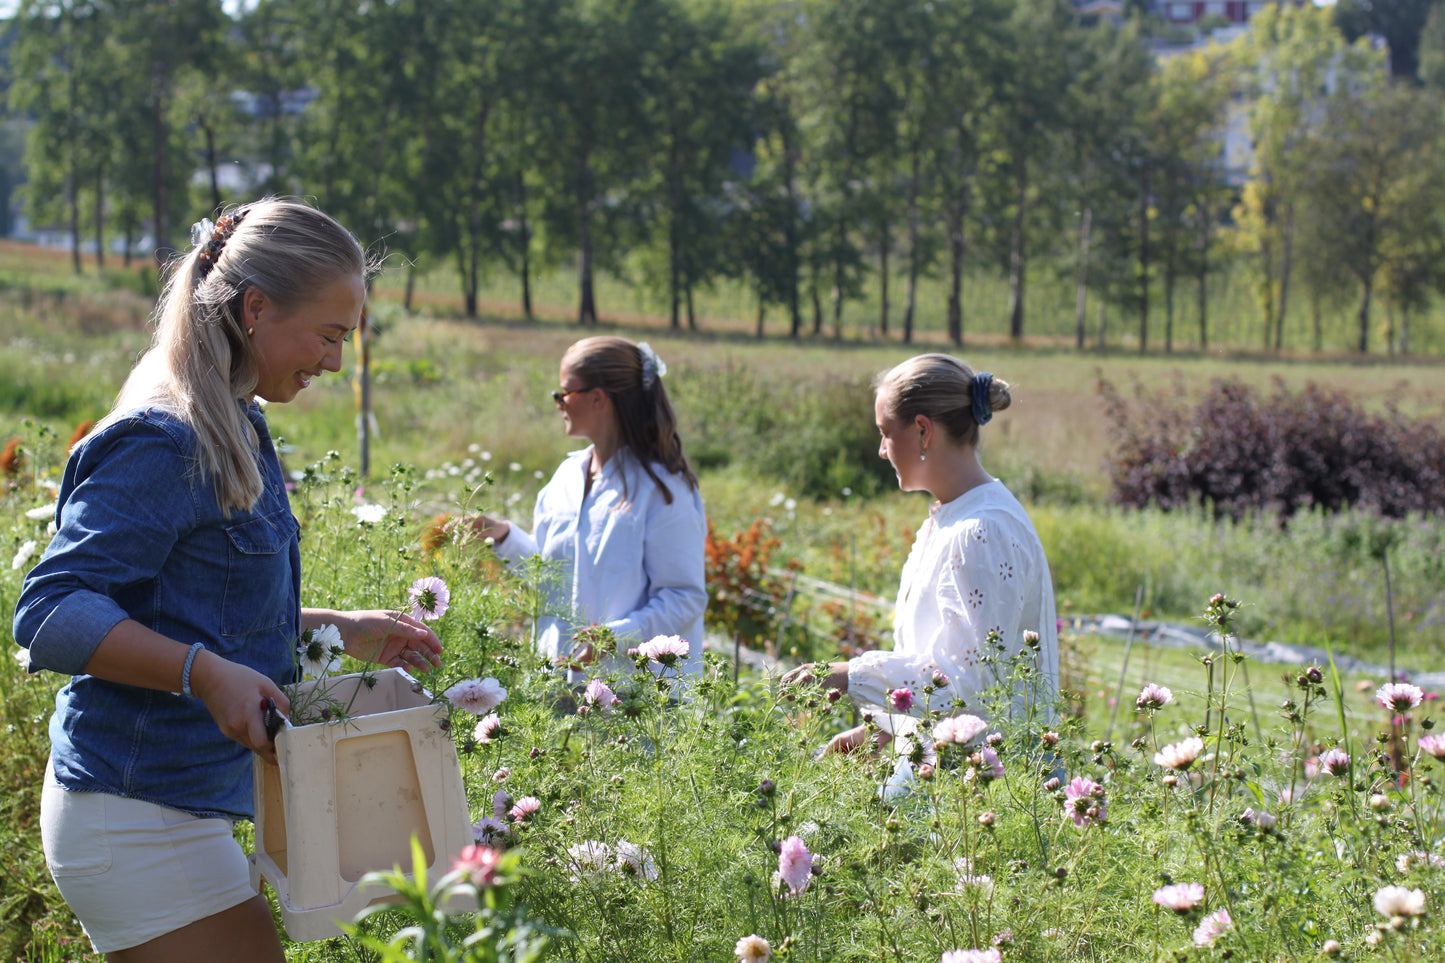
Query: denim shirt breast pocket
(259, 582)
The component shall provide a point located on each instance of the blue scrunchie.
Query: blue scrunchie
(982, 406)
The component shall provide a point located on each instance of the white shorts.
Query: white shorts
(132, 871)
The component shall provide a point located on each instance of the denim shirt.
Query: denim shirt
(141, 536)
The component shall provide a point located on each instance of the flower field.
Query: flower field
(616, 823)
(1220, 809)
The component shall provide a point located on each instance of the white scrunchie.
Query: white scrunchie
(653, 367)
(201, 232)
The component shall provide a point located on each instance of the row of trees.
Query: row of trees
(813, 149)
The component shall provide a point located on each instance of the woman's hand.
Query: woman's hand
(234, 695)
(485, 526)
(855, 739)
(805, 674)
(389, 638)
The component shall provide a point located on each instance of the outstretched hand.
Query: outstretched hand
(836, 676)
(853, 740)
(390, 638)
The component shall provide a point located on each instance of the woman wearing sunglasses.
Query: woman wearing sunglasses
(622, 518)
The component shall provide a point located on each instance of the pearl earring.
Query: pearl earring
(250, 332)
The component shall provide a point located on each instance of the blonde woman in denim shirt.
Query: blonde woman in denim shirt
(171, 593)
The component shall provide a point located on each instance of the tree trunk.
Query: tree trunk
(1170, 260)
(1144, 262)
(1364, 315)
(884, 242)
(211, 164)
(762, 315)
(160, 215)
(691, 314)
(817, 308)
(1103, 322)
(587, 305)
(911, 297)
(956, 250)
(840, 239)
(1081, 296)
(1201, 294)
(524, 238)
(99, 220)
(1286, 250)
(790, 237)
(1017, 262)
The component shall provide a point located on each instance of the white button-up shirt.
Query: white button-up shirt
(625, 558)
(976, 565)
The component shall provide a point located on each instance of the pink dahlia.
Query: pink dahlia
(900, 699)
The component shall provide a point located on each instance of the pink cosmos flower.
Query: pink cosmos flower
(1180, 897)
(599, 696)
(1260, 818)
(477, 696)
(1394, 901)
(795, 867)
(972, 956)
(1399, 696)
(990, 766)
(900, 699)
(1434, 745)
(959, 730)
(939, 679)
(478, 864)
(501, 802)
(524, 809)
(1418, 859)
(429, 598)
(1084, 801)
(488, 729)
(1336, 762)
(1211, 927)
(753, 949)
(1154, 696)
(1180, 755)
(665, 649)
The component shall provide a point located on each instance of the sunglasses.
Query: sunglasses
(559, 396)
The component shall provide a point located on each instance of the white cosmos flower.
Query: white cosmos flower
(1399, 901)
(369, 514)
(24, 554)
(320, 654)
(41, 513)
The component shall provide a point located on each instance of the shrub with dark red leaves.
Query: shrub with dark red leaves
(1242, 452)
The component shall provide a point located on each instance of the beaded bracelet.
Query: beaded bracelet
(186, 669)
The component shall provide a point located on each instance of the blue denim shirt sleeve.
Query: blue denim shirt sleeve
(125, 498)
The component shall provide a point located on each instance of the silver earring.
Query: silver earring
(923, 456)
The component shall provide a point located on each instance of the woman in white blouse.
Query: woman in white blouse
(622, 518)
(976, 564)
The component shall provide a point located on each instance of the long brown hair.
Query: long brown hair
(645, 420)
(201, 361)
